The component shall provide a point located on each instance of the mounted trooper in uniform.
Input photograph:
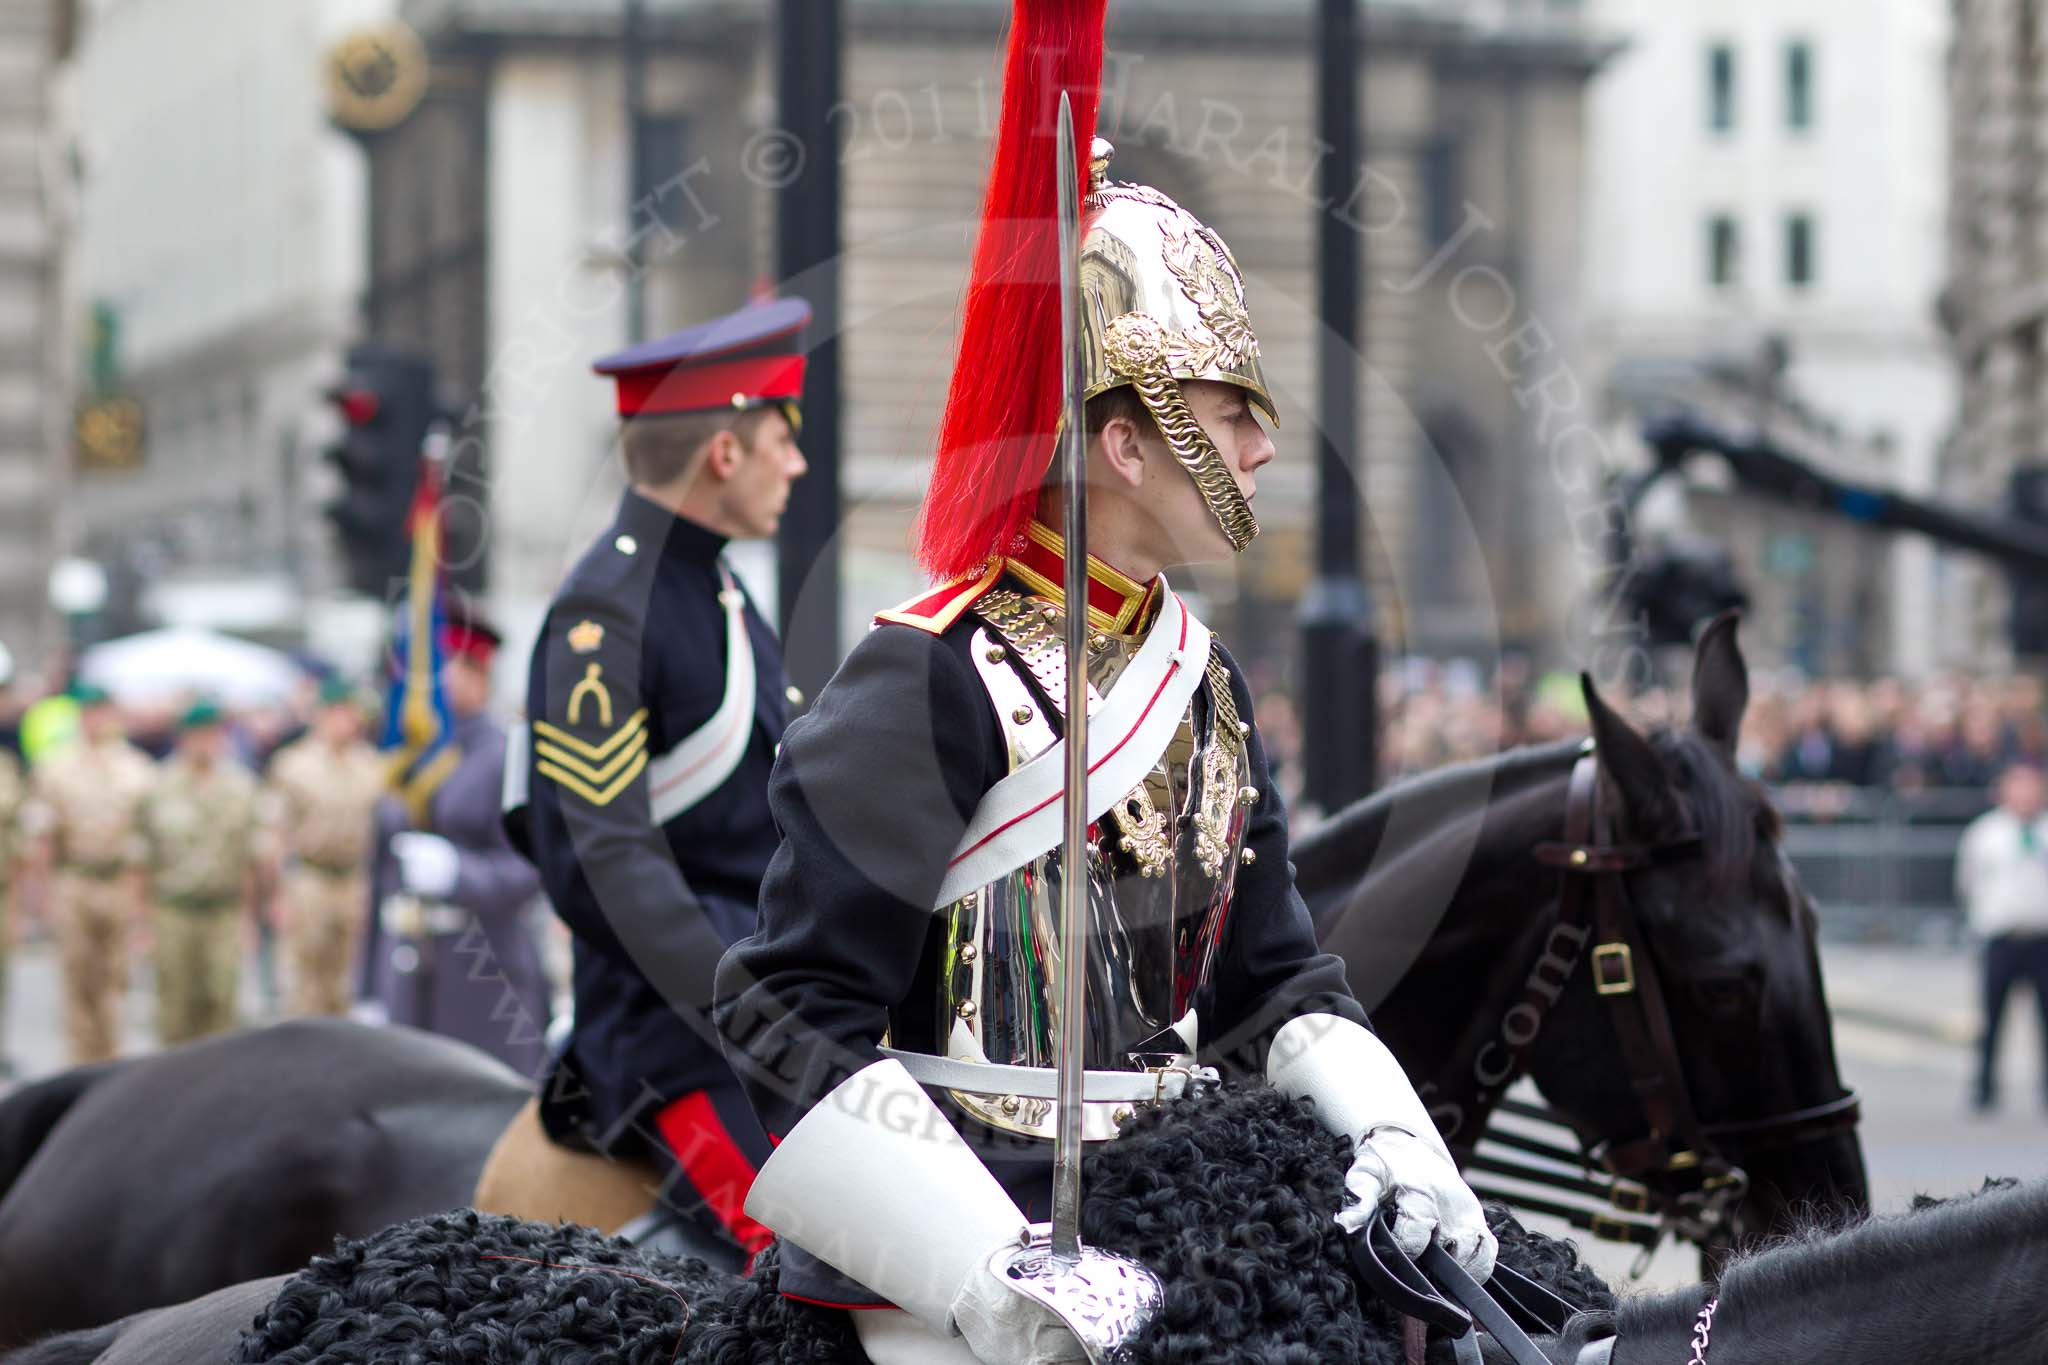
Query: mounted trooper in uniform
(656, 701)
(895, 1016)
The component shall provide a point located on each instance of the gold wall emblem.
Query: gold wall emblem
(376, 77)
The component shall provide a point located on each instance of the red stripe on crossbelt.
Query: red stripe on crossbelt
(697, 388)
(1115, 749)
(715, 1165)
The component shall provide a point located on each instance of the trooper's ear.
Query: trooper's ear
(1122, 451)
(1648, 805)
(1720, 683)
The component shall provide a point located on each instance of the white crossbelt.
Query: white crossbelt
(513, 791)
(1042, 1082)
(1020, 817)
(701, 762)
(404, 916)
(699, 765)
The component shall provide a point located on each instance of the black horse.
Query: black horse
(1457, 941)
(249, 1154)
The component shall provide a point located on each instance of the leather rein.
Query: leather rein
(1677, 1179)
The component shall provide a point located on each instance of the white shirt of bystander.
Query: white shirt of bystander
(2002, 874)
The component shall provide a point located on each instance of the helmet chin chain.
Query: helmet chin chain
(1198, 456)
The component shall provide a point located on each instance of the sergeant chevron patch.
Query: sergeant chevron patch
(598, 771)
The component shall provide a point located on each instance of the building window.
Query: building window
(661, 152)
(1798, 86)
(1799, 250)
(1721, 87)
(1724, 252)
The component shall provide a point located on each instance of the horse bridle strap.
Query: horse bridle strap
(1625, 974)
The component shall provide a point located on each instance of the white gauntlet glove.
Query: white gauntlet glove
(1359, 1090)
(875, 1183)
(1001, 1326)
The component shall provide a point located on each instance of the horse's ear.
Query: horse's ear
(1649, 805)
(1720, 682)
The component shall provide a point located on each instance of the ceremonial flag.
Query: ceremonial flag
(418, 727)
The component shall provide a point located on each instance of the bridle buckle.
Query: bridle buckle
(1614, 969)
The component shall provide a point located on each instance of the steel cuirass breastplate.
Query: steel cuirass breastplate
(1161, 867)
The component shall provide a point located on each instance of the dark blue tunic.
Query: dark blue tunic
(631, 660)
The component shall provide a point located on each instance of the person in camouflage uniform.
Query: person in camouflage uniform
(323, 793)
(84, 804)
(199, 825)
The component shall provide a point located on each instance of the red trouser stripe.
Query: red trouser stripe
(714, 1163)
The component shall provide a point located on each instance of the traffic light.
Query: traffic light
(386, 405)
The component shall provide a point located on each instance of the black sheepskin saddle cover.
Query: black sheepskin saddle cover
(1228, 1196)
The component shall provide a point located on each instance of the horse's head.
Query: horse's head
(1730, 934)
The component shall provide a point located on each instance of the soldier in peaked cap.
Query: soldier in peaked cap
(895, 1017)
(656, 702)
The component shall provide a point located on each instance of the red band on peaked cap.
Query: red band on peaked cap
(697, 388)
(755, 355)
(476, 643)
(1001, 410)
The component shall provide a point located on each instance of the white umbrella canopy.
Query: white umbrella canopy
(163, 665)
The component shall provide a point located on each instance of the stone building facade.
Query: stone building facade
(1995, 305)
(1468, 209)
(1766, 201)
(35, 416)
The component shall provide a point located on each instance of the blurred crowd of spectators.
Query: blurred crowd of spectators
(1952, 732)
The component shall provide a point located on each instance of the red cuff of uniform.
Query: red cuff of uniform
(714, 1164)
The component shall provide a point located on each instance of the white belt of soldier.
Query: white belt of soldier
(408, 916)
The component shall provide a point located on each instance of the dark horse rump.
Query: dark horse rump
(28, 1113)
(168, 1177)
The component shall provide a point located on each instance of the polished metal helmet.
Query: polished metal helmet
(1163, 301)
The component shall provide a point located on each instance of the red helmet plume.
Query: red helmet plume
(995, 438)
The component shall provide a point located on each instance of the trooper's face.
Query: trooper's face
(1226, 413)
(757, 490)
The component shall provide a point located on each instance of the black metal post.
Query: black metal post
(808, 35)
(1340, 654)
(633, 63)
